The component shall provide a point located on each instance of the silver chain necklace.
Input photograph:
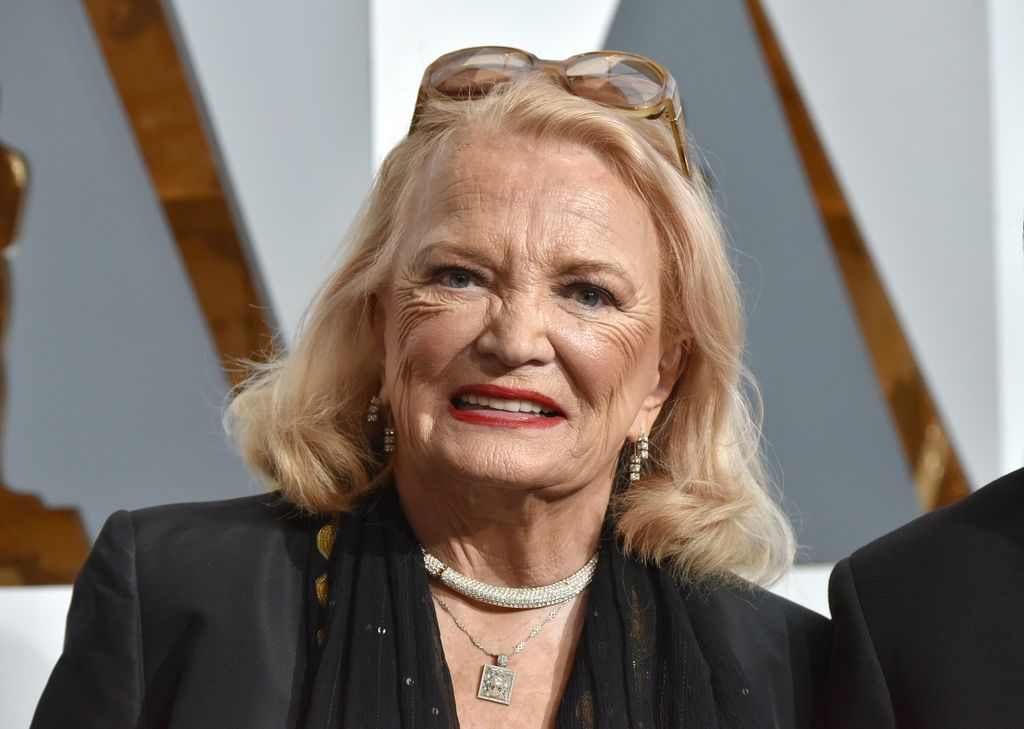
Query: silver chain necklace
(522, 598)
(497, 681)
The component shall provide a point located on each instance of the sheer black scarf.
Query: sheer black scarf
(643, 659)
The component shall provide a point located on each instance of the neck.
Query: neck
(511, 537)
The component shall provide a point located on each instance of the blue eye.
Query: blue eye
(591, 297)
(456, 278)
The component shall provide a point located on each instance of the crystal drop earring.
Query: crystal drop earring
(641, 451)
(389, 434)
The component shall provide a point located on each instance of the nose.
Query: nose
(516, 333)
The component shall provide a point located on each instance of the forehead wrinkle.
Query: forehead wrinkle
(468, 188)
(530, 227)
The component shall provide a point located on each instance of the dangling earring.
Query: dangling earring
(389, 433)
(389, 437)
(373, 414)
(639, 456)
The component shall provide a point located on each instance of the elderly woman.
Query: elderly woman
(517, 483)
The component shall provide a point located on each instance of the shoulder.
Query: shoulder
(229, 518)
(982, 523)
(762, 625)
(897, 604)
(238, 568)
(782, 649)
(188, 543)
(941, 561)
(189, 600)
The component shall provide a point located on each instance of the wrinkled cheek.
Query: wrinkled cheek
(420, 358)
(615, 355)
(409, 345)
(427, 336)
(614, 367)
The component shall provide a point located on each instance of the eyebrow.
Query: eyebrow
(585, 266)
(477, 257)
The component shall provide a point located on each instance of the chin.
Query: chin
(503, 477)
(499, 467)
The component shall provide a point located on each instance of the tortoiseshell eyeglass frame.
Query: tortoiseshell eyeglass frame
(515, 62)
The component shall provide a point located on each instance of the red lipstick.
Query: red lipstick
(504, 418)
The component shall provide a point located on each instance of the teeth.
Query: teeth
(497, 403)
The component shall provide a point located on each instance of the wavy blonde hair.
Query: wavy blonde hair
(704, 507)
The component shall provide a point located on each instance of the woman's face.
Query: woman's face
(521, 333)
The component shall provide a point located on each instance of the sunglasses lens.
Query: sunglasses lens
(616, 80)
(474, 72)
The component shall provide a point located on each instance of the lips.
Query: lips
(504, 406)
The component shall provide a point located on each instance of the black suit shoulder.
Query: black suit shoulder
(207, 556)
(757, 617)
(987, 516)
(256, 513)
(782, 648)
(205, 552)
(926, 618)
(190, 615)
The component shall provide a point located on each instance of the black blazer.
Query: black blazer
(198, 615)
(928, 620)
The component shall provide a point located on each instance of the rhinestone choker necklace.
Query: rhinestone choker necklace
(522, 598)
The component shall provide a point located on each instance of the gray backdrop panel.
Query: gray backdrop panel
(114, 386)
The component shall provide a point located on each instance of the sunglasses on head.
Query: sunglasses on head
(632, 84)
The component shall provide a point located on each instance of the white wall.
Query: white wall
(409, 35)
(1006, 58)
(899, 93)
(807, 585)
(31, 639)
(286, 91)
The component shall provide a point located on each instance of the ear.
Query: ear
(671, 366)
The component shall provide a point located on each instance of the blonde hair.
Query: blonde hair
(704, 508)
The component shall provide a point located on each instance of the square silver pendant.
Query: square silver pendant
(496, 684)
